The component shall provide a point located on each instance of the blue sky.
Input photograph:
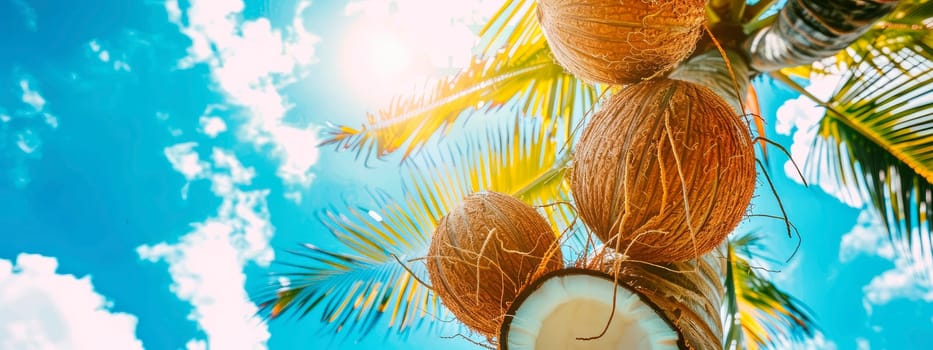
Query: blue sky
(155, 156)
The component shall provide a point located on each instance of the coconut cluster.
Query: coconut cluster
(664, 171)
(484, 252)
(621, 41)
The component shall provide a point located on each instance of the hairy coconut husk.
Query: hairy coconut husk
(484, 252)
(646, 146)
(689, 293)
(621, 41)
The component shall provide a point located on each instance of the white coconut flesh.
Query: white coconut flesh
(569, 306)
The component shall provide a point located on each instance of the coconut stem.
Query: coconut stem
(781, 206)
(486, 346)
(725, 58)
(412, 273)
(612, 311)
(786, 152)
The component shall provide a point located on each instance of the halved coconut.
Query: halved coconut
(689, 293)
(570, 308)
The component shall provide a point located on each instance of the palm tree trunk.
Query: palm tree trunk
(809, 30)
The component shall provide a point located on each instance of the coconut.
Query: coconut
(664, 171)
(570, 308)
(621, 41)
(484, 252)
(688, 293)
(672, 306)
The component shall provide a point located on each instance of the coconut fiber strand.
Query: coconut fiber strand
(620, 41)
(482, 254)
(689, 294)
(646, 146)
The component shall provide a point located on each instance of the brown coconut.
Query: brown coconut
(621, 41)
(646, 146)
(483, 252)
(689, 293)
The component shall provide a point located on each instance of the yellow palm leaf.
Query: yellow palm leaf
(521, 74)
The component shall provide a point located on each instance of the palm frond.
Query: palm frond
(905, 28)
(806, 31)
(524, 159)
(758, 313)
(515, 22)
(354, 290)
(877, 137)
(521, 74)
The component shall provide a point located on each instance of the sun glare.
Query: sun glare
(377, 64)
(388, 57)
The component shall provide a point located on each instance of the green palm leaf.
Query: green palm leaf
(758, 313)
(876, 136)
(521, 74)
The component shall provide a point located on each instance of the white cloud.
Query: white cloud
(185, 161)
(196, 345)
(293, 196)
(212, 126)
(50, 120)
(862, 344)
(28, 141)
(868, 236)
(120, 65)
(908, 279)
(800, 117)
(817, 342)
(905, 280)
(28, 13)
(26, 136)
(40, 309)
(207, 264)
(31, 96)
(34, 99)
(105, 56)
(250, 62)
